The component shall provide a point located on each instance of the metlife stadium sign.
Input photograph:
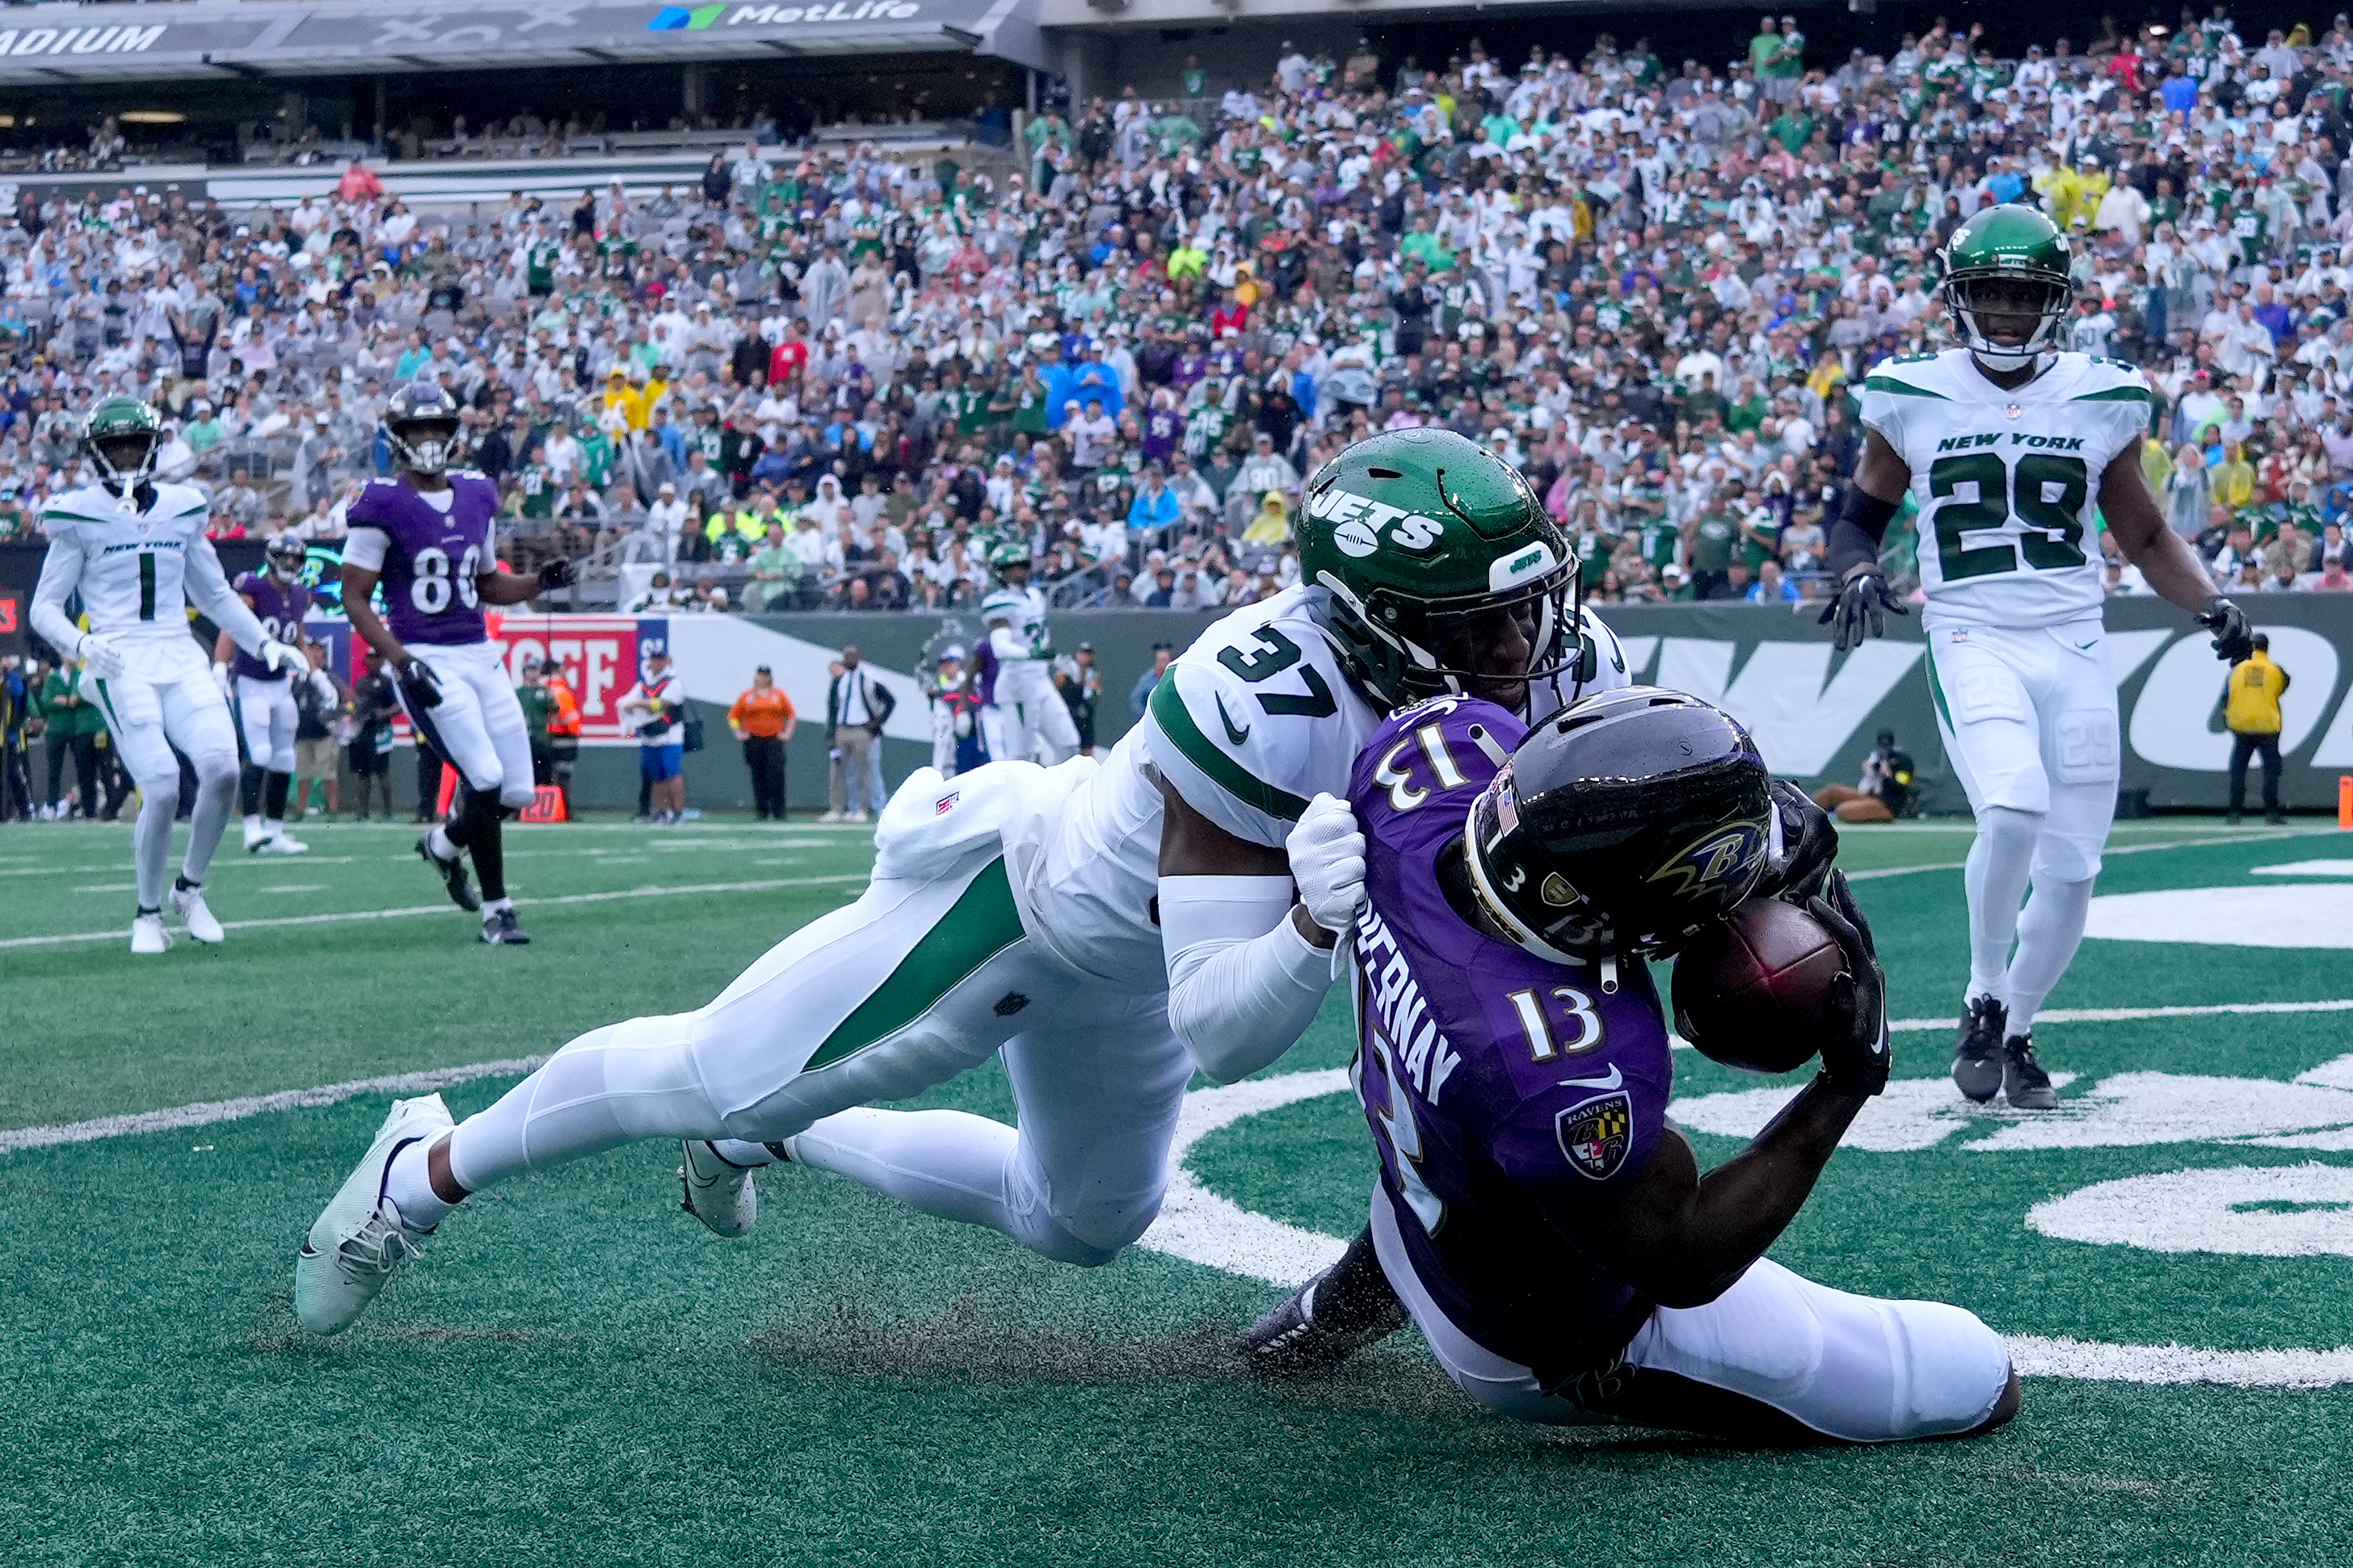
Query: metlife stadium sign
(48, 44)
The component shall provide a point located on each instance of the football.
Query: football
(1750, 992)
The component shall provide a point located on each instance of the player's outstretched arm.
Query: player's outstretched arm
(1863, 598)
(2164, 558)
(1247, 964)
(514, 588)
(1683, 1239)
(209, 591)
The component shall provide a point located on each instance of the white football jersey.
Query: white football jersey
(2008, 481)
(1248, 724)
(1024, 612)
(134, 565)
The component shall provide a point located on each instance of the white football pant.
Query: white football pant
(478, 726)
(923, 977)
(1029, 721)
(1850, 1367)
(265, 712)
(166, 698)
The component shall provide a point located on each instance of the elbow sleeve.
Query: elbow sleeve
(1244, 984)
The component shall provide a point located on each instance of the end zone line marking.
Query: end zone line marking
(2111, 849)
(442, 908)
(2128, 1014)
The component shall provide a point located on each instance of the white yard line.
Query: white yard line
(205, 1113)
(443, 908)
(2111, 849)
(2129, 1014)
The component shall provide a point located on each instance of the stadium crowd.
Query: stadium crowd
(816, 379)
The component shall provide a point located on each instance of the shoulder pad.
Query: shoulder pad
(1217, 748)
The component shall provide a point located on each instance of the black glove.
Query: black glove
(1854, 1044)
(1809, 843)
(418, 684)
(2233, 639)
(556, 573)
(1862, 597)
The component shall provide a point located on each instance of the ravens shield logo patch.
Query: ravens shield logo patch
(1596, 1134)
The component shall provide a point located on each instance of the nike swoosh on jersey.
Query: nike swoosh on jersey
(1235, 736)
(1613, 1082)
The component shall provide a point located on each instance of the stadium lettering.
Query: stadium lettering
(839, 11)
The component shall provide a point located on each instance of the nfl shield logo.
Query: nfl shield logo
(1596, 1133)
(947, 802)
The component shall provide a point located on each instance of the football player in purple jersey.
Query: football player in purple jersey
(1535, 1215)
(264, 697)
(428, 535)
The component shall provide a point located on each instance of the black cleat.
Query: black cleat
(1976, 1055)
(500, 930)
(453, 874)
(1327, 1319)
(2023, 1082)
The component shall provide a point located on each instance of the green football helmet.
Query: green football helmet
(120, 439)
(1415, 535)
(1006, 553)
(2009, 245)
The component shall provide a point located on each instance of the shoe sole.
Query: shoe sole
(688, 1188)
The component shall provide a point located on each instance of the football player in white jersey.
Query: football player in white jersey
(1109, 926)
(1023, 718)
(2016, 455)
(136, 553)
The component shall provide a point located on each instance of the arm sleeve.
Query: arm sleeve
(1244, 984)
(365, 547)
(60, 574)
(209, 590)
(1008, 646)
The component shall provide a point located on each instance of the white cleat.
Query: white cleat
(190, 903)
(255, 835)
(148, 935)
(278, 843)
(717, 1191)
(360, 1238)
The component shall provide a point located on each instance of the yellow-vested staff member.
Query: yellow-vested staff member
(2250, 708)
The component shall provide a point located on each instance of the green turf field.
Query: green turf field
(580, 1374)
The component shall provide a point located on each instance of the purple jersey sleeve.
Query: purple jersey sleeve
(1503, 1090)
(432, 557)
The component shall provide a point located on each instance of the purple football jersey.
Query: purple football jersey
(279, 606)
(1501, 1089)
(434, 556)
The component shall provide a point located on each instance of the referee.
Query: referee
(763, 721)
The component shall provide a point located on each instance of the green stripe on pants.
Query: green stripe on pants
(981, 923)
(1936, 688)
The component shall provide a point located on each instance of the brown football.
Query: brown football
(1750, 992)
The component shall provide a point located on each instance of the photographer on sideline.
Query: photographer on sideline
(1884, 791)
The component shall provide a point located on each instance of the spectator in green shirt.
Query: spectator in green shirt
(70, 724)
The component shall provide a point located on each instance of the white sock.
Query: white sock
(407, 1183)
(2000, 861)
(273, 828)
(253, 825)
(495, 905)
(2049, 932)
(438, 844)
(742, 1152)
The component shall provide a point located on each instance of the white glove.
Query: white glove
(276, 655)
(102, 652)
(324, 685)
(1327, 861)
(220, 679)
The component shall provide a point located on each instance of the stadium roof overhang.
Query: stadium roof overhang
(52, 45)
